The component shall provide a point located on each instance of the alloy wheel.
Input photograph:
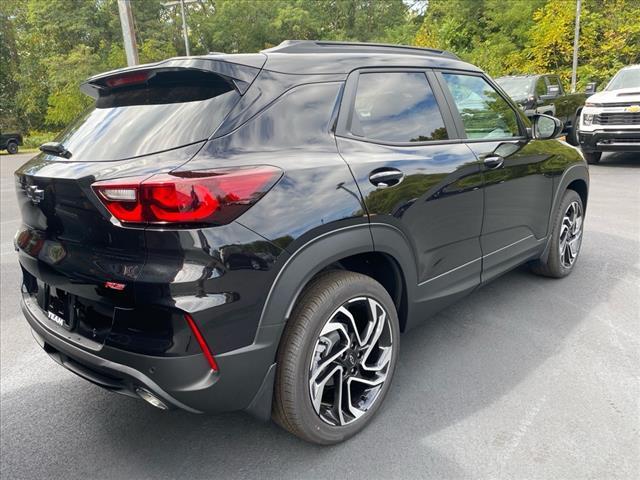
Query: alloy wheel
(350, 361)
(570, 234)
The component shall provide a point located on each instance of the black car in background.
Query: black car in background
(10, 142)
(254, 231)
(544, 94)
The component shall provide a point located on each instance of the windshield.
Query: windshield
(517, 88)
(625, 79)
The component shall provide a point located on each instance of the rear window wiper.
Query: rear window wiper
(55, 148)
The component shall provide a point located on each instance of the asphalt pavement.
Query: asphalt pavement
(526, 378)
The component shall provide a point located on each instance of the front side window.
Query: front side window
(396, 107)
(485, 114)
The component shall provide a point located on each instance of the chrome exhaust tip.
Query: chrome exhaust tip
(149, 397)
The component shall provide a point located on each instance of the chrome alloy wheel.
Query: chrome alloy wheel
(570, 234)
(350, 361)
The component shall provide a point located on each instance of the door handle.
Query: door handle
(386, 177)
(493, 162)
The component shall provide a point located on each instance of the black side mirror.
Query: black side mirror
(590, 89)
(546, 127)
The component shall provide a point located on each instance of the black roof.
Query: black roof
(324, 57)
(301, 57)
(322, 46)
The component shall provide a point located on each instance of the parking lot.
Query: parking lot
(526, 378)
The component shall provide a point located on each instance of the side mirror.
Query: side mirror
(546, 127)
(553, 90)
(590, 89)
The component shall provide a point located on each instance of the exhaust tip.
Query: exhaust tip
(149, 397)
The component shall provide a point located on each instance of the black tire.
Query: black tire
(12, 147)
(556, 264)
(592, 157)
(572, 134)
(316, 308)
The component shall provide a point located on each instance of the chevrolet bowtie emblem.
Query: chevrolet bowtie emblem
(35, 194)
(633, 108)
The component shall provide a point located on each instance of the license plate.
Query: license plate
(58, 307)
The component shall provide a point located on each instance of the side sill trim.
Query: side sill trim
(478, 259)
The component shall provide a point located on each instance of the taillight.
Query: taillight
(127, 79)
(213, 197)
(202, 342)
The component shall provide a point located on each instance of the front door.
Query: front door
(518, 188)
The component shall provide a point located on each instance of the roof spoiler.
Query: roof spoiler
(241, 76)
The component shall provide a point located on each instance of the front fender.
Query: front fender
(577, 171)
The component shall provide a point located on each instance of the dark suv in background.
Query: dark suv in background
(10, 142)
(544, 94)
(254, 231)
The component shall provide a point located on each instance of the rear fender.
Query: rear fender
(300, 268)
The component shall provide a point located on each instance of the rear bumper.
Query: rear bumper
(610, 141)
(244, 379)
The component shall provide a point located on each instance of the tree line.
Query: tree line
(48, 47)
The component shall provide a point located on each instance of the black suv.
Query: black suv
(10, 142)
(544, 94)
(254, 231)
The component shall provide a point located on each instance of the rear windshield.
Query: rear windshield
(169, 110)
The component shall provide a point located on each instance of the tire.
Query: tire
(572, 135)
(592, 157)
(12, 147)
(563, 253)
(313, 336)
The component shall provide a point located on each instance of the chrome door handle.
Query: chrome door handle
(493, 162)
(386, 177)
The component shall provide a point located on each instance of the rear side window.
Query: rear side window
(396, 107)
(485, 114)
(169, 110)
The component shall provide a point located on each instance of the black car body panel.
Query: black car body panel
(122, 292)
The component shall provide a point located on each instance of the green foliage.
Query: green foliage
(48, 47)
(36, 138)
(536, 36)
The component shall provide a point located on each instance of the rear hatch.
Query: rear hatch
(78, 261)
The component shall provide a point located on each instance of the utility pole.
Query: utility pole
(128, 32)
(576, 41)
(184, 29)
(184, 21)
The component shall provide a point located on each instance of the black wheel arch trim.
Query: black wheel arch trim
(578, 171)
(322, 251)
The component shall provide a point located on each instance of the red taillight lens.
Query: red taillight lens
(126, 79)
(212, 197)
(202, 342)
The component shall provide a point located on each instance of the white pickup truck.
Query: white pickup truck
(610, 120)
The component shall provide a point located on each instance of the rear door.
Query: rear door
(518, 188)
(415, 174)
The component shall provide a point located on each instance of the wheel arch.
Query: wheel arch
(576, 178)
(352, 248)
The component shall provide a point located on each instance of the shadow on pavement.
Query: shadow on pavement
(620, 159)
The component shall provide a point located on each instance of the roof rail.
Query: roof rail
(321, 46)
